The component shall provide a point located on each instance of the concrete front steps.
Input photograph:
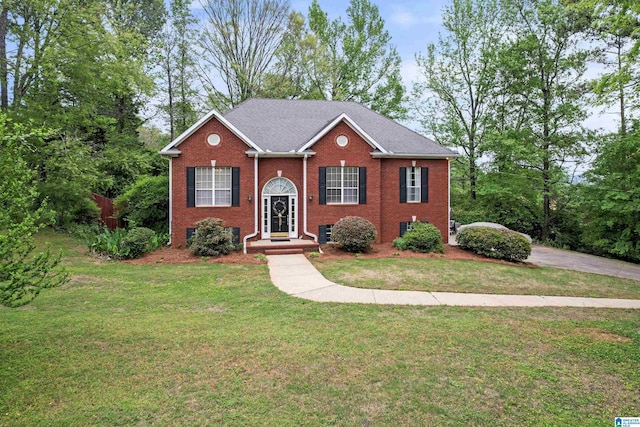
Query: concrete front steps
(282, 247)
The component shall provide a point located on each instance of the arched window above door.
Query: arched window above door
(279, 186)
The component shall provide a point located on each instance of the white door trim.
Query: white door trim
(279, 186)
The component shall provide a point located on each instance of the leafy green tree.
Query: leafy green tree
(612, 198)
(146, 203)
(614, 28)
(355, 61)
(178, 67)
(23, 273)
(456, 94)
(545, 62)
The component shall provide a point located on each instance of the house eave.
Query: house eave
(170, 153)
(378, 155)
(276, 155)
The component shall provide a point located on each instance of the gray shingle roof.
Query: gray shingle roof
(281, 125)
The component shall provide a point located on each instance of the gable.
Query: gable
(172, 148)
(342, 118)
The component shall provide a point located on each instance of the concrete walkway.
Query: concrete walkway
(296, 276)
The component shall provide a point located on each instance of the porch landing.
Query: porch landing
(282, 247)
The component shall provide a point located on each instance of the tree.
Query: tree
(238, 42)
(615, 26)
(612, 199)
(355, 61)
(460, 79)
(23, 274)
(545, 62)
(178, 67)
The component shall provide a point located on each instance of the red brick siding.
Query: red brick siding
(394, 212)
(356, 153)
(196, 152)
(383, 207)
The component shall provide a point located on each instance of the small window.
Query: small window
(413, 184)
(329, 232)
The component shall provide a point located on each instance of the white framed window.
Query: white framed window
(342, 185)
(413, 184)
(213, 186)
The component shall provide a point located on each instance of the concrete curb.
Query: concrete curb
(296, 276)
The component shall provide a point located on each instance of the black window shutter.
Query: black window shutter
(424, 185)
(190, 233)
(235, 231)
(403, 228)
(362, 183)
(322, 234)
(191, 187)
(403, 185)
(322, 179)
(235, 186)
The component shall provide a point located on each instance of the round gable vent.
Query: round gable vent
(213, 139)
(342, 140)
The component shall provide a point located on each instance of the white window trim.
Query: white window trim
(214, 187)
(342, 186)
(417, 187)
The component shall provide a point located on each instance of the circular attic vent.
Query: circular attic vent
(342, 140)
(213, 139)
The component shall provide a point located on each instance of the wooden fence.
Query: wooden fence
(107, 212)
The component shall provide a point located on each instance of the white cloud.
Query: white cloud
(403, 18)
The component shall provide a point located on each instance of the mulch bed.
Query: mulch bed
(382, 250)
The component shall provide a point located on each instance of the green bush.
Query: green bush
(400, 243)
(211, 238)
(354, 234)
(422, 237)
(109, 243)
(146, 203)
(495, 243)
(138, 242)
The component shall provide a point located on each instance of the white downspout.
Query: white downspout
(255, 204)
(304, 190)
(449, 202)
(170, 198)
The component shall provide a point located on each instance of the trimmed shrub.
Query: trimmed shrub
(400, 243)
(354, 234)
(422, 237)
(495, 243)
(138, 242)
(211, 238)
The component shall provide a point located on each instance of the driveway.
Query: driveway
(551, 257)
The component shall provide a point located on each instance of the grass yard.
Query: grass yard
(208, 344)
(435, 275)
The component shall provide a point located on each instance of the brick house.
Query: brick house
(290, 169)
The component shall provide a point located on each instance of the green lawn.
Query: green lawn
(210, 344)
(420, 274)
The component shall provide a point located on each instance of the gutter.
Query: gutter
(304, 190)
(255, 204)
(170, 199)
